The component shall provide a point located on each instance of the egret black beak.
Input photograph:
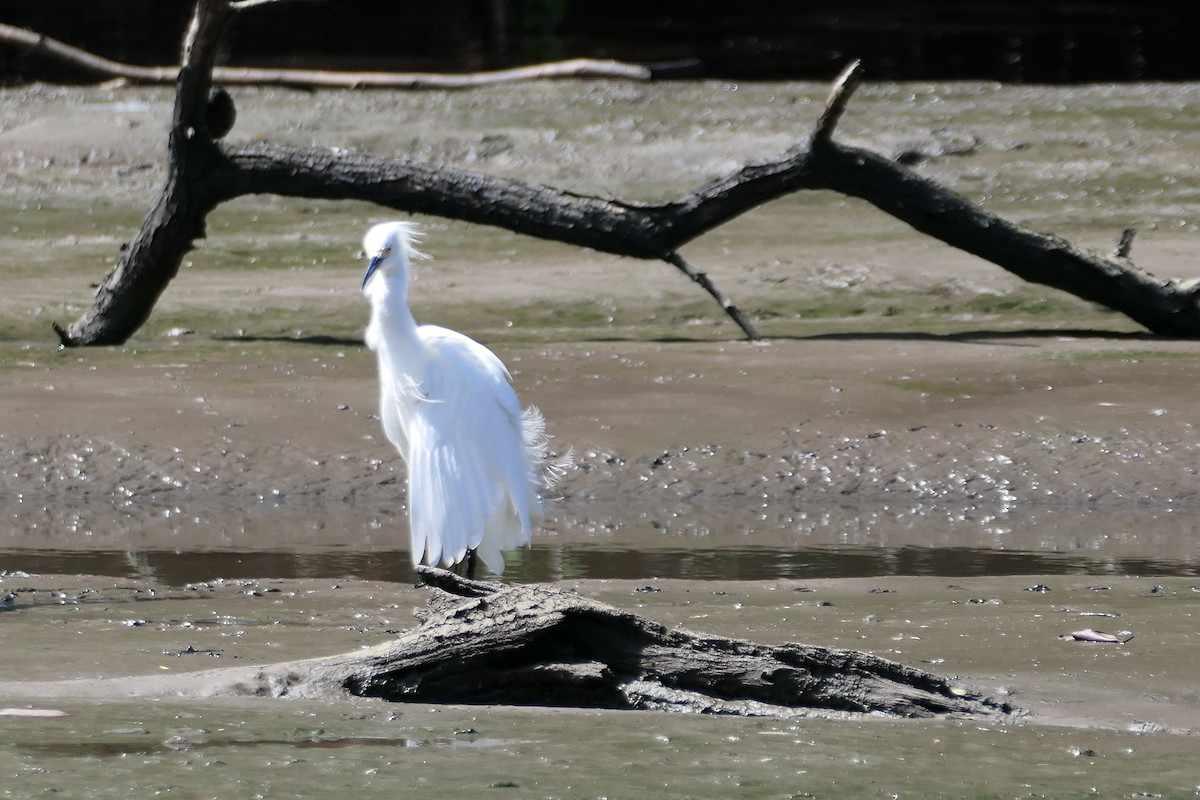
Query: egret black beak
(371, 267)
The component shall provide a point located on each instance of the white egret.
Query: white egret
(475, 461)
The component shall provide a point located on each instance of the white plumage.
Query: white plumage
(475, 461)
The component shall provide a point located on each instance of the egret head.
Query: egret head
(389, 246)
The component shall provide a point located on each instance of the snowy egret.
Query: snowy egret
(475, 461)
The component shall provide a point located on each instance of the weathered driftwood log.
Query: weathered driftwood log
(484, 643)
(493, 643)
(203, 173)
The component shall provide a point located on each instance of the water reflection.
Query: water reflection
(706, 544)
(551, 563)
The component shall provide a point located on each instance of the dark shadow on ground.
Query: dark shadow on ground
(883, 336)
(850, 336)
(1020, 333)
(317, 338)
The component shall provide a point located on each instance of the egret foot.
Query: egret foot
(466, 567)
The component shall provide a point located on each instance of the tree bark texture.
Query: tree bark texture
(491, 643)
(204, 172)
(127, 295)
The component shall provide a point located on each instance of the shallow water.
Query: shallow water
(700, 543)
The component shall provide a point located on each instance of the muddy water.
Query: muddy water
(922, 442)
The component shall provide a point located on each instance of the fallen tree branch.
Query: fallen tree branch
(840, 91)
(60, 51)
(204, 172)
(572, 68)
(326, 79)
(1163, 306)
(125, 298)
(537, 645)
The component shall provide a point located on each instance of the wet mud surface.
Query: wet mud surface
(782, 459)
(918, 423)
(1122, 715)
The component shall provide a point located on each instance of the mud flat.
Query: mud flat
(917, 422)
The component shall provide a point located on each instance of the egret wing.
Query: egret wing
(469, 475)
(391, 414)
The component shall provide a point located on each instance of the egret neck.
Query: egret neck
(392, 324)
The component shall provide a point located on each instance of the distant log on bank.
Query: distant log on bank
(335, 79)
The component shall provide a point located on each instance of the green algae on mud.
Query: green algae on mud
(1126, 356)
(300, 749)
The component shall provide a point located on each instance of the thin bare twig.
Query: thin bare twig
(702, 279)
(839, 96)
(1125, 244)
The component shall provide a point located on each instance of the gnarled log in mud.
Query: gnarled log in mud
(203, 172)
(488, 643)
(491, 643)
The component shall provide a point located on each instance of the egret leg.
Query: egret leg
(466, 567)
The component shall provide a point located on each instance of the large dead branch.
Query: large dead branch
(203, 172)
(50, 47)
(538, 645)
